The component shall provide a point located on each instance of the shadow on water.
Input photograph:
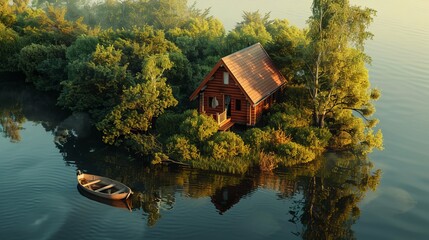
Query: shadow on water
(325, 194)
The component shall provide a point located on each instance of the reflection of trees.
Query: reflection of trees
(155, 187)
(20, 102)
(330, 188)
(11, 120)
(331, 197)
(11, 112)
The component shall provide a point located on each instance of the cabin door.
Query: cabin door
(227, 101)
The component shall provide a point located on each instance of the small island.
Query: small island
(165, 81)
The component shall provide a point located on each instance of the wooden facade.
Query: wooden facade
(239, 88)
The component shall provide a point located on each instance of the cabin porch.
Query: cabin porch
(223, 121)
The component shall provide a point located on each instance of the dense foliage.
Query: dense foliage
(195, 141)
(127, 62)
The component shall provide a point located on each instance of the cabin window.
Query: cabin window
(237, 104)
(225, 78)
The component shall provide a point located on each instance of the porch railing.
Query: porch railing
(221, 117)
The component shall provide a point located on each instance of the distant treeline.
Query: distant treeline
(127, 62)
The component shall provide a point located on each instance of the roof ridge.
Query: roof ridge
(245, 49)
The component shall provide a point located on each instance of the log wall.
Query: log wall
(217, 88)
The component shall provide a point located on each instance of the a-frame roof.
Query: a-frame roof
(254, 71)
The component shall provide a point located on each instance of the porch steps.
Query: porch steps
(226, 125)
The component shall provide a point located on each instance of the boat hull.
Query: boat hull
(103, 187)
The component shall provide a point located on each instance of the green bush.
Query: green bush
(143, 144)
(267, 161)
(226, 145)
(44, 65)
(168, 124)
(285, 116)
(292, 153)
(236, 165)
(313, 137)
(82, 48)
(271, 148)
(256, 138)
(198, 127)
(179, 148)
(159, 158)
(266, 139)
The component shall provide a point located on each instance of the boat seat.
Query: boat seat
(105, 187)
(120, 191)
(90, 183)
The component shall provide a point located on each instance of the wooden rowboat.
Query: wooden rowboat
(123, 204)
(102, 186)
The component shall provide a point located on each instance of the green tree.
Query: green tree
(118, 77)
(251, 30)
(44, 65)
(11, 27)
(137, 44)
(95, 86)
(168, 124)
(50, 26)
(139, 105)
(7, 13)
(199, 38)
(167, 14)
(200, 41)
(287, 49)
(337, 77)
(9, 49)
(119, 14)
(82, 48)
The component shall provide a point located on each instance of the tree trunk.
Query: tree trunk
(315, 118)
(321, 123)
(318, 119)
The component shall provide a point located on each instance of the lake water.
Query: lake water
(39, 155)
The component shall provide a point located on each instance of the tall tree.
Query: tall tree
(337, 77)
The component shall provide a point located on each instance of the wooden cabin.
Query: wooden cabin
(239, 87)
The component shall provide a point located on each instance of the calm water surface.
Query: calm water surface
(41, 147)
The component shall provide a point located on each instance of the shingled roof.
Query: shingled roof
(253, 70)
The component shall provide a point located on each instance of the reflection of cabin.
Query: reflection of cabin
(239, 87)
(226, 197)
